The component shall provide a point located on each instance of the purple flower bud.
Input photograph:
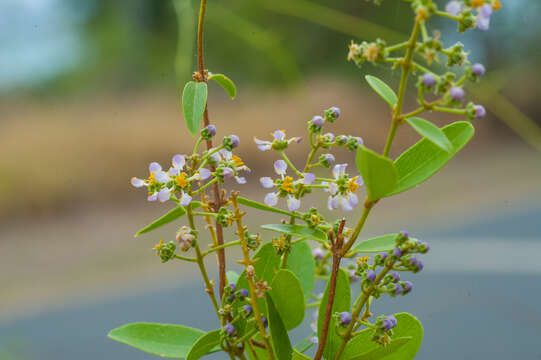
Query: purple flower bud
(395, 276)
(383, 255)
(480, 111)
(227, 173)
(247, 309)
(229, 329)
(211, 129)
(318, 253)
(317, 121)
(244, 293)
(453, 8)
(370, 275)
(429, 80)
(398, 289)
(423, 247)
(345, 318)
(234, 140)
(387, 325)
(478, 69)
(397, 252)
(405, 234)
(485, 11)
(328, 159)
(265, 321)
(233, 287)
(393, 320)
(413, 260)
(335, 112)
(231, 298)
(352, 276)
(408, 285)
(457, 93)
(420, 265)
(329, 137)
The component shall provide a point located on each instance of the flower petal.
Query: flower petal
(264, 147)
(271, 199)
(185, 200)
(161, 176)
(179, 161)
(333, 188)
(137, 182)
(332, 203)
(280, 167)
(293, 204)
(309, 178)
(204, 173)
(227, 173)
(266, 182)
(154, 166)
(344, 202)
(153, 197)
(353, 200)
(360, 181)
(279, 135)
(164, 194)
(240, 180)
(173, 171)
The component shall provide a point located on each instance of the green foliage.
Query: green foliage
(299, 356)
(378, 172)
(288, 298)
(263, 207)
(226, 83)
(382, 89)
(342, 302)
(377, 244)
(424, 159)
(302, 264)
(297, 230)
(194, 101)
(169, 341)
(280, 339)
(431, 132)
(170, 216)
(232, 277)
(206, 344)
(406, 342)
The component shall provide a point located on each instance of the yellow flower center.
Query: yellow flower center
(352, 185)
(157, 247)
(363, 259)
(151, 178)
(497, 5)
(478, 3)
(287, 185)
(237, 160)
(181, 180)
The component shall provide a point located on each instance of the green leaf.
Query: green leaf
(297, 230)
(194, 101)
(226, 83)
(170, 341)
(304, 344)
(288, 298)
(232, 277)
(167, 218)
(301, 262)
(206, 344)
(377, 244)
(382, 89)
(263, 207)
(280, 339)
(430, 131)
(378, 172)
(299, 356)
(342, 302)
(424, 159)
(406, 342)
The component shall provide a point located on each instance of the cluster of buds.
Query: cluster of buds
(313, 218)
(383, 329)
(165, 251)
(231, 294)
(281, 244)
(252, 240)
(186, 238)
(227, 164)
(330, 115)
(372, 52)
(472, 13)
(225, 217)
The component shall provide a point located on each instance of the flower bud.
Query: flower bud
(420, 266)
(407, 286)
(394, 276)
(317, 122)
(265, 321)
(423, 247)
(332, 114)
(345, 318)
(429, 80)
(457, 93)
(326, 160)
(230, 142)
(341, 140)
(479, 111)
(397, 252)
(370, 275)
(208, 132)
(231, 288)
(328, 137)
(247, 310)
(318, 253)
(243, 293)
(478, 69)
(229, 329)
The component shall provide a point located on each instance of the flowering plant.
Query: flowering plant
(256, 309)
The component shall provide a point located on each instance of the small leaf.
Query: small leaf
(170, 341)
(297, 230)
(263, 207)
(206, 344)
(288, 298)
(304, 344)
(342, 302)
(232, 277)
(424, 159)
(301, 262)
(194, 101)
(167, 218)
(226, 83)
(430, 131)
(280, 339)
(382, 89)
(299, 356)
(377, 244)
(378, 172)
(405, 342)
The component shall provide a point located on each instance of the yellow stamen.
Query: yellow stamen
(157, 247)
(287, 185)
(363, 259)
(151, 178)
(352, 185)
(497, 5)
(477, 3)
(181, 180)
(237, 160)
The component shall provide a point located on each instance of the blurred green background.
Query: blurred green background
(89, 94)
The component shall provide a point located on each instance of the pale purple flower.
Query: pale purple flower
(178, 162)
(429, 80)
(263, 145)
(293, 204)
(185, 199)
(480, 111)
(136, 182)
(370, 275)
(240, 180)
(266, 182)
(204, 173)
(271, 199)
(478, 69)
(347, 200)
(309, 178)
(280, 166)
(457, 93)
(227, 173)
(318, 121)
(229, 329)
(345, 318)
(453, 8)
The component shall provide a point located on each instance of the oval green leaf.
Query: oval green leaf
(377, 244)
(263, 207)
(206, 344)
(288, 298)
(424, 159)
(299, 356)
(169, 341)
(194, 101)
(378, 172)
(226, 83)
(342, 302)
(167, 218)
(382, 89)
(280, 338)
(301, 262)
(407, 338)
(430, 131)
(297, 230)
